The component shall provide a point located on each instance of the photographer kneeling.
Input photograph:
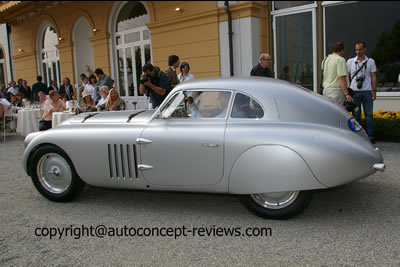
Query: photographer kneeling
(155, 84)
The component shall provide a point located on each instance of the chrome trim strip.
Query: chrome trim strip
(135, 159)
(142, 141)
(110, 160)
(144, 167)
(121, 150)
(116, 160)
(128, 153)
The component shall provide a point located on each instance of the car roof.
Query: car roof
(246, 84)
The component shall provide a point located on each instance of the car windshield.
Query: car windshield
(172, 105)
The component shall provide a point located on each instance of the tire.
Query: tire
(54, 175)
(278, 206)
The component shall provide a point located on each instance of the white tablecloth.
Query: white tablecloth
(28, 121)
(59, 117)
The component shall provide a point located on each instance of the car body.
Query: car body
(285, 142)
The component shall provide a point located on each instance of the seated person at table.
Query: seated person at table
(103, 92)
(13, 98)
(114, 102)
(64, 98)
(18, 100)
(6, 109)
(54, 104)
(42, 97)
(5, 106)
(87, 104)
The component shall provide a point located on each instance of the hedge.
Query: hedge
(385, 129)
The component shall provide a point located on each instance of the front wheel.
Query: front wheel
(277, 205)
(53, 174)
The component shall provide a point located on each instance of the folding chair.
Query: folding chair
(8, 120)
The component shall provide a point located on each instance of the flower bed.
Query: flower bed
(386, 125)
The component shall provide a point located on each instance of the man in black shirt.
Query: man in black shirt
(155, 84)
(262, 69)
(24, 88)
(37, 87)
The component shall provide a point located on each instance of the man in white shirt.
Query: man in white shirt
(362, 73)
(7, 110)
(7, 107)
(13, 89)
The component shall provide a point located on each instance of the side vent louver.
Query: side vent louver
(122, 160)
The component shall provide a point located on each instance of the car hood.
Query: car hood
(131, 116)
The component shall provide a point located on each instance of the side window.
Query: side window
(197, 104)
(246, 107)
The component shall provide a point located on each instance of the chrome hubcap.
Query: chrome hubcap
(54, 173)
(276, 200)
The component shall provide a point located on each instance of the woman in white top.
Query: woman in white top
(103, 92)
(90, 87)
(185, 75)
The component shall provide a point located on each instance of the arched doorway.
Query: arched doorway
(83, 51)
(49, 60)
(131, 44)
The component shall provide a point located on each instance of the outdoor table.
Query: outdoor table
(59, 117)
(28, 121)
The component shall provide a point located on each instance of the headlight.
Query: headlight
(354, 125)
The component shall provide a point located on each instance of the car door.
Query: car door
(178, 149)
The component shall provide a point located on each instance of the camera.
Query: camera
(359, 81)
(145, 78)
(350, 106)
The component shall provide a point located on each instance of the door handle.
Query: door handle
(142, 141)
(210, 145)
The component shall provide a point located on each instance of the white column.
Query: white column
(4, 44)
(245, 46)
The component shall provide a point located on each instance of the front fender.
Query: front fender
(271, 168)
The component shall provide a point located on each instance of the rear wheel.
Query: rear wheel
(277, 205)
(53, 174)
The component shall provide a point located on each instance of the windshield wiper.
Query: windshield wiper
(134, 114)
(89, 116)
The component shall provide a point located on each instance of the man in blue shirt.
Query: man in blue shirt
(155, 84)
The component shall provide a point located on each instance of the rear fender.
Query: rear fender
(271, 168)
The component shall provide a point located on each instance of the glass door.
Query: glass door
(133, 51)
(295, 48)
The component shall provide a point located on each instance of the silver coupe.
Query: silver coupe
(268, 141)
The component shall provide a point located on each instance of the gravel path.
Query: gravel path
(355, 224)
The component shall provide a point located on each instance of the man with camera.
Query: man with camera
(155, 84)
(362, 73)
